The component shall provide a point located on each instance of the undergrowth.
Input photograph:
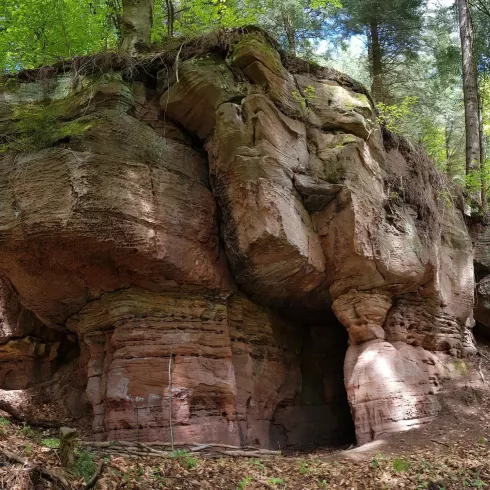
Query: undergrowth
(184, 458)
(51, 442)
(85, 465)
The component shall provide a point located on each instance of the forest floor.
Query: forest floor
(452, 452)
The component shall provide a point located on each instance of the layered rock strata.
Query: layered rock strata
(213, 239)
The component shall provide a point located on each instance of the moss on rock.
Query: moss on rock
(38, 126)
(254, 47)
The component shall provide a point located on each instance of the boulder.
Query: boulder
(238, 250)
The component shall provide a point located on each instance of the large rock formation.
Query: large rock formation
(213, 238)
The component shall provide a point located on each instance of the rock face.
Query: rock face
(240, 251)
(480, 233)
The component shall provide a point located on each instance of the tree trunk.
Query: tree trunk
(114, 16)
(290, 34)
(170, 17)
(137, 22)
(482, 156)
(470, 90)
(447, 147)
(376, 63)
(68, 443)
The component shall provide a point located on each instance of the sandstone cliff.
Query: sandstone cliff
(239, 213)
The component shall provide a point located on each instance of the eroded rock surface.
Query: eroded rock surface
(240, 250)
(480, 233)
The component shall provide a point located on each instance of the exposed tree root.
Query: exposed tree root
(51, 474)
(483, 380)
(480, 353)
(90, 484)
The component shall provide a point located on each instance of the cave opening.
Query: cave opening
(481, 333)
(40, 369)
(36, 358)
(31, 353)
(320, 415)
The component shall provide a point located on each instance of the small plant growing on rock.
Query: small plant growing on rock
(420, 482)
(3, 430)
(444, 196)
(139, 472)
(304, 98)
(4, 423)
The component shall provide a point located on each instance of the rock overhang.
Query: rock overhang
(306, 205)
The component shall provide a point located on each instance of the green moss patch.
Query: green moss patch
(38, 126)
(254, 47)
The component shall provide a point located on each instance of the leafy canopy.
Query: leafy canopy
(33, 32)
(36, 32)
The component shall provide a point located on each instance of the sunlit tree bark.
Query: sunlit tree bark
(136, 29)
(471, 101)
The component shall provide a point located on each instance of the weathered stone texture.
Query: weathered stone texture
(215, 222)
(480, 233)
(391, 386)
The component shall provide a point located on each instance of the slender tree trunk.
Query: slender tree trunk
(290, 34)
(137, 22)
(448, 149)
(470, 90)
(114, 17)
(170, 17)
(376, 63)
(482, 157)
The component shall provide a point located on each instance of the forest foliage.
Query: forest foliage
(407, 51)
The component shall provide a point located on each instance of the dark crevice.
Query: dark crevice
(481, 271)
(48, 351)
(481, 333)
(320, 413)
